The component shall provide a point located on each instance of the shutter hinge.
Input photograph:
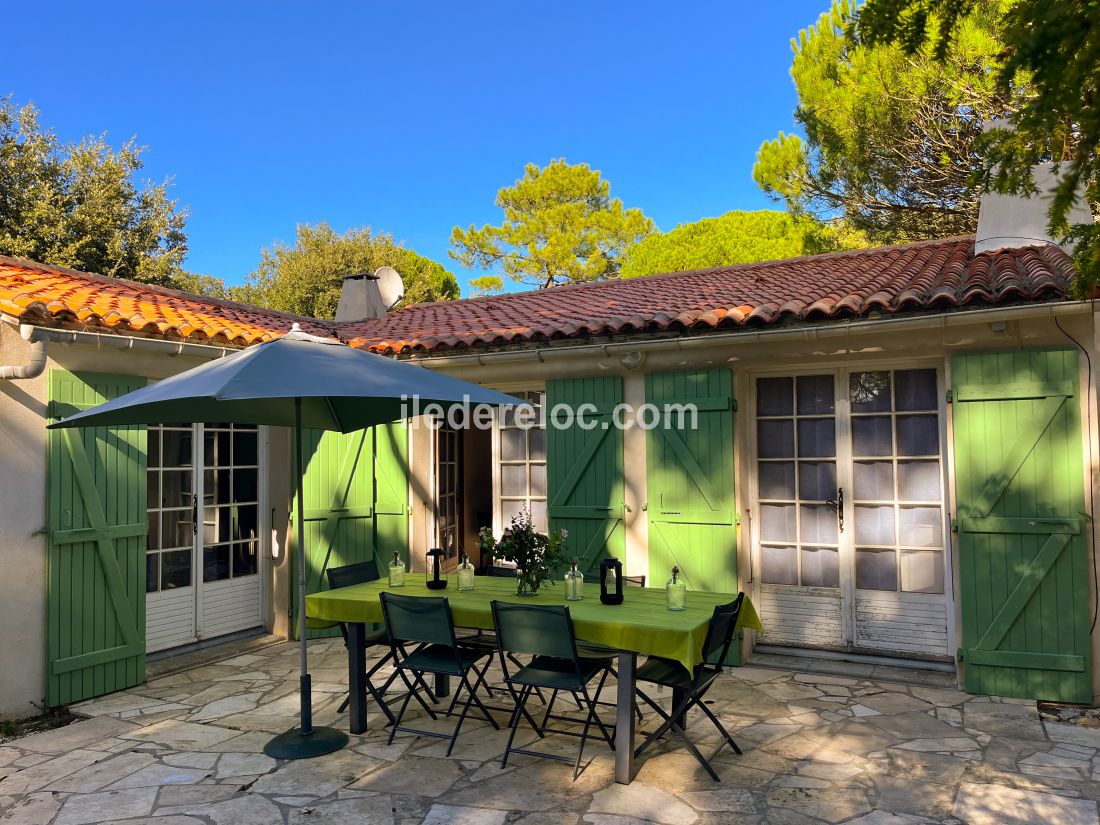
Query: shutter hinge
(734, 403)
(954, 523)
(737, 519)
(959, 654)
(950, 397)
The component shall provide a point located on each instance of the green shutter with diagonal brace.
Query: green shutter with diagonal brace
(689, 480)
(96, 526)
(585, 469)
(1023, 553)
(355, 502)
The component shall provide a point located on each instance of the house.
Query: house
(894, 452)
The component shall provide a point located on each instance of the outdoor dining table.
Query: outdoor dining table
(642, 624)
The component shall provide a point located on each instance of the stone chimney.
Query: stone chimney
(1011, 221)
(360, 298)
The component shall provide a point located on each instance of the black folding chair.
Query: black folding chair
(689, 687)
(545, 632)
(426, 621)
(358, 573)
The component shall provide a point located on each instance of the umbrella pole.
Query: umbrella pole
(305, 741)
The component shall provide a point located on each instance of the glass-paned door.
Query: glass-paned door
(850, 530)
(202, 560)
(448, 508)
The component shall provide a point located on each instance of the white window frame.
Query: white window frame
(499, 522)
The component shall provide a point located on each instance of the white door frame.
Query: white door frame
(841, 370)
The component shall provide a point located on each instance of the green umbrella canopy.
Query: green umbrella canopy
(340, 388)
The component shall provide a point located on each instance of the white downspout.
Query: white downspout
(35, 365)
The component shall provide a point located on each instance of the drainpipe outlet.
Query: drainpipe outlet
(36, 363)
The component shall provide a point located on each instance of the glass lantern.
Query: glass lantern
(676, 591)
(435, 571)
(611, 581)
(397, 571)
(465, 574)
(574, 583)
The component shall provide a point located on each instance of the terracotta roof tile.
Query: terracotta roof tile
(928, 275)
(33, 291)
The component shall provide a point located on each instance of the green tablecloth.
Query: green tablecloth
(642, 623)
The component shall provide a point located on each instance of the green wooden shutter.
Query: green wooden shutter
(96, 526)
(1023, 555)
(585, 470)
(355, 502)
(690, 482)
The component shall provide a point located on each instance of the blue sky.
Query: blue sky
(410, 116)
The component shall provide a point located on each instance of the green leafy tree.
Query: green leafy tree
(306, 278)
(893, 139)
(1055, 44)
(560, 225)
(80, 205)
(735, 238)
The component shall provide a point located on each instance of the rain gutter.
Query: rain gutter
(35, 364)
(845, 329)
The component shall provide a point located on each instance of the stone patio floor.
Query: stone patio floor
(186, 748)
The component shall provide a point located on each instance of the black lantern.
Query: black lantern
(611, 581)
(435, 574)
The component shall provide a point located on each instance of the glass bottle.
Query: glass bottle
(465, 574)
(574, 583)
(397, 571)
(676, 591)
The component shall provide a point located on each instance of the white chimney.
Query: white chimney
(1011, 221)
(360, 298)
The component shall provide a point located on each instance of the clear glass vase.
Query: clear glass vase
(526, 584)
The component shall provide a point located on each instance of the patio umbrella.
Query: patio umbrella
(296, 381)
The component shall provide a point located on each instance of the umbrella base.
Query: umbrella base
(295, 745)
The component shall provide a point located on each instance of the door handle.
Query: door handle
(194, 515)
(838, 505)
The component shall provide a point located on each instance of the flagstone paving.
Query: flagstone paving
(186, 749)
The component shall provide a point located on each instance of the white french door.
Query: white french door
(850, 529)
(203, 548)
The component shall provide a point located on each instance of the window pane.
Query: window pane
(215, 563)
(820, 567)
(774, 396)
(175, 488)
(244, 559)
(513, 479)
(818, 524)
(776, 479)
(246, 524)
(152, 573)
(152, 535)
(871, 435)
(777, 522)
(176, 530)
(916, 389)
(217, 448)
(874, 525)
(876, 569)
(538, 515)
(513, 445)
(874, 480)
(918, 435)
(919, 480)
(245, 485)
(216, 487)
(152, 490)
(537, 440)
(816, 480)
(511, 509)
(921, 526)
(779, 565)
(922, 571)
(153, 448)
(245, 448)
(175, 569)
(816, 437)
(815, 395)
(177, 448)
(775, 439)
(869, 391)
(538, 480)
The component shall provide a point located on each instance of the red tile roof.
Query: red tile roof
(923, 276)
(33, 292)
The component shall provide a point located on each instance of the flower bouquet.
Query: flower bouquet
(537, 556)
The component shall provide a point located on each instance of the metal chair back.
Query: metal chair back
(349, 574)
(535, 629)
(723, 623)
(418, 619)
